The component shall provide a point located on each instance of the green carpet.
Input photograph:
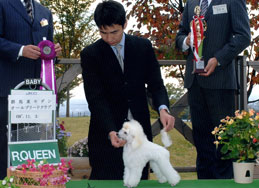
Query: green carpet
(155, 184)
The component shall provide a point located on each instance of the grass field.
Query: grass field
(182, 153)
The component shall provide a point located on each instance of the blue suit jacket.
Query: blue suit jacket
(226, 36)
(16, 30)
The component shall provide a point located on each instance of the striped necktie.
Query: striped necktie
(204, 7)
(119, 57)
(28, 6)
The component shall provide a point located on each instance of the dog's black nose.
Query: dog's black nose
(117, 134)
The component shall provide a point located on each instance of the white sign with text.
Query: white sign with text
(31, 106)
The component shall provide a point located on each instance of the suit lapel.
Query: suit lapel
(18, 6)
(109, 58)
(127, 57)
(36, 12)
(210, 11)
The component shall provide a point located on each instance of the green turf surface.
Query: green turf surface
(155, 184)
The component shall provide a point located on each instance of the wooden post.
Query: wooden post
(242, 80)
(68, 102)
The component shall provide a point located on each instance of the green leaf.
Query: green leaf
(224, 149)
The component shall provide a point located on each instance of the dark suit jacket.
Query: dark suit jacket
(16, 30)
(226, 36)
(110, 93)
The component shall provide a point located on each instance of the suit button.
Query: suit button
(129, 100)
(125, 83)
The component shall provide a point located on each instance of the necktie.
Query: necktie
(119, 57)
(28, 7)
(204, 7)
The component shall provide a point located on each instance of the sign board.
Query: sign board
(31, 106)
(21, 152)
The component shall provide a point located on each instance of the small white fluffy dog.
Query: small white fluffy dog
(138, 151)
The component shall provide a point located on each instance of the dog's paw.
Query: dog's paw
(175, 180)
(126, 185)
(133, 183)
(129, 184)
(162, 179)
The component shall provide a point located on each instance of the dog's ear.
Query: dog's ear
(137, 141)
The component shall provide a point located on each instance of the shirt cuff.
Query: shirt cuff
(163, 107)
(20, 52)
(185, 46)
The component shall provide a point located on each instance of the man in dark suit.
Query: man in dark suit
(114, 83)
(23, 24)
(211, 94)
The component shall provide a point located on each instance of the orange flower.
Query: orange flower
(239, 116)
(251, 112)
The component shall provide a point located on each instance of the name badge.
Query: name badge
(220, 9)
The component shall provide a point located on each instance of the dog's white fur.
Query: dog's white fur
(138, 151)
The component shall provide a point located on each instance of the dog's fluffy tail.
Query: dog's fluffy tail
(166, 140)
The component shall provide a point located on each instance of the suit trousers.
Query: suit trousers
(3, 136)
(113, 173)
(208, 107)
(111, 168)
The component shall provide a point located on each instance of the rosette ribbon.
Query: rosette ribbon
(47, 49)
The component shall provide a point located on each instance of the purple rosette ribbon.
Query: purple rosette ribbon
(47, 49)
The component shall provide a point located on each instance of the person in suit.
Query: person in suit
(23, 24)
(114, 84)
(211, 95)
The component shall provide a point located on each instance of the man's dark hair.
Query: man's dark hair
(108, 13)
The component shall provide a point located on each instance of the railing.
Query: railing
(178, 106)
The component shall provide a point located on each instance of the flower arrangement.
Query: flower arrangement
(40, 174)
(62, 137)
(7, 183)
(79, 148)
(239, 136)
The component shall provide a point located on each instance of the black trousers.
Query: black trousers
(112, 173)
(3, 136)
(110, 166)
(208, 107)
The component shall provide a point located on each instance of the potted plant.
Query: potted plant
(238, 138)
(38, 174)
(7, 182)
(62, 137)
(79, 148)
(78, 153)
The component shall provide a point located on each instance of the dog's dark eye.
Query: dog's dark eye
(125, 132)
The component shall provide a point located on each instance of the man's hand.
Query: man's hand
(209, 69)
(31, 51)
(58, 49)
(167, 120)
(188, 39)
(115, 140)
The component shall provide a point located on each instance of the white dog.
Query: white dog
(138, 151)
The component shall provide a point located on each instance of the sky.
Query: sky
(78, 92)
